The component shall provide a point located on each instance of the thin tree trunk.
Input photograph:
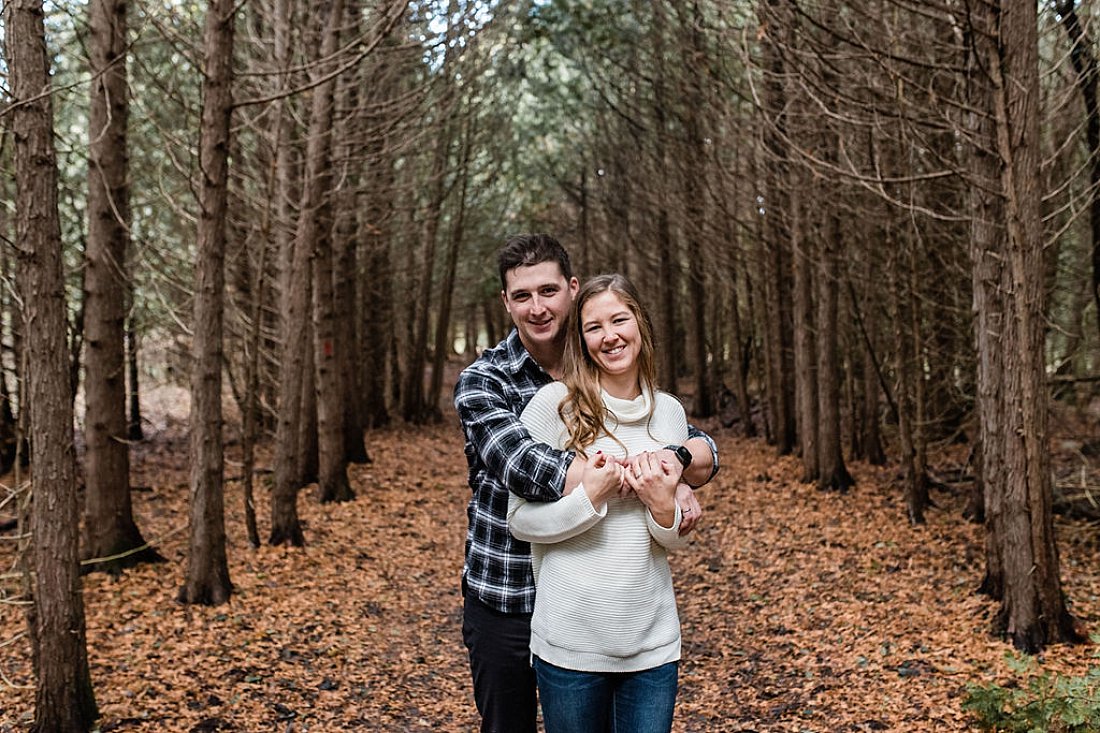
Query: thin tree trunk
(110, 535)
(134, 428)
(916, 495)
(1085, 66)
(805, 346)
(738, 338)
(834, 474)
(775, 18)
(693, 50)
(64, 699)
(207, 581)
(347, 141)
(446, 297)
(333, 484)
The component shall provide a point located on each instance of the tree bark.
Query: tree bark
(347, 140)
(207, 581)
(64, 699)
(834, 474)
(777, 287)
(110, 535)
(916, 491)
(134, 428)
(1085, 66)
(446, 295)
(805, 346)
(1021, 548)
(333, 484)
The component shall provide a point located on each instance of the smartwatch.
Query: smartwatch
(683, 455)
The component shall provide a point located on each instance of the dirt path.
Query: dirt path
(802, 611)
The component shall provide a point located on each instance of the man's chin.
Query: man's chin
(544, 337)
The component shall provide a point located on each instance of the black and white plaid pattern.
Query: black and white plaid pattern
(490, 396)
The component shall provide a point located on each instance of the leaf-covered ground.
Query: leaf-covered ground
(802, 611)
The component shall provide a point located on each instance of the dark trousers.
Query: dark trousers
(500, 661)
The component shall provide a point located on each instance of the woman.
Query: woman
(605, 635)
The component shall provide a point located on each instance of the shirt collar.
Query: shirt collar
(516, 354)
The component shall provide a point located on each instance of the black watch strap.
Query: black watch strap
(682, 454)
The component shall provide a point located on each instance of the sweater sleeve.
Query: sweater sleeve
(572, 514)
(548, 523)
(669, 416)
(667, 537)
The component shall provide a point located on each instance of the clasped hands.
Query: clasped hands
(653, 476)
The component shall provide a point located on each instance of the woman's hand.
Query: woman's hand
(602, 478)
(654, 481)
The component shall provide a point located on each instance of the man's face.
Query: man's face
(537, 298)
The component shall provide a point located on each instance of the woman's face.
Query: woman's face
(611, 334)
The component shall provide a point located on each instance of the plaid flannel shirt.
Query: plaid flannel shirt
(490, 396)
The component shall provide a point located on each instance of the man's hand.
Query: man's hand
(689, 507)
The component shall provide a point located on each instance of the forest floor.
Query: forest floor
(801, 610)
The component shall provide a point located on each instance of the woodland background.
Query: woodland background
(869, 232)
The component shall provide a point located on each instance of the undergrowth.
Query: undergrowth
(1036, 700)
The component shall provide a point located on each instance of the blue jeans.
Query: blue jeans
(607, 702)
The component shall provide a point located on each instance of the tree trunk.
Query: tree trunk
(774, 18)
(871, 436)
(333, 484)
(1085, 66)
(414, 407)
(805, 347)
(347, 141)
(916, 492)
(1023, 570)
(446, 296)
(207, 580)
(693, 51)
(64, 699)
(134, 428)
(834, 474)
(109, 533)
(739, 341)
(296, 429)
(669, 361)
(377, 312)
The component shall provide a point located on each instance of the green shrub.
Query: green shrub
(1040, 703)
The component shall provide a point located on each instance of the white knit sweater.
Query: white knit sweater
(604, 600)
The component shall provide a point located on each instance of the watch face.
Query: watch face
(683, 454)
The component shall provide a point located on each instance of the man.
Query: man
(498, 588)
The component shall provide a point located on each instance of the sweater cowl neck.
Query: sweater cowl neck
(628, 411)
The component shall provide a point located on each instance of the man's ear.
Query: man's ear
(504, 299)
(574, 286)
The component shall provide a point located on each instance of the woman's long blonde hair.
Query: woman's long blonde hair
(582, 410)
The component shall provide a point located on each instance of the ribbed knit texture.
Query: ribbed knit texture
(604, 600)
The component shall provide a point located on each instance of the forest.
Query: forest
(247, 245)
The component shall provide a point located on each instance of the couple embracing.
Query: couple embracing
(582, 475)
